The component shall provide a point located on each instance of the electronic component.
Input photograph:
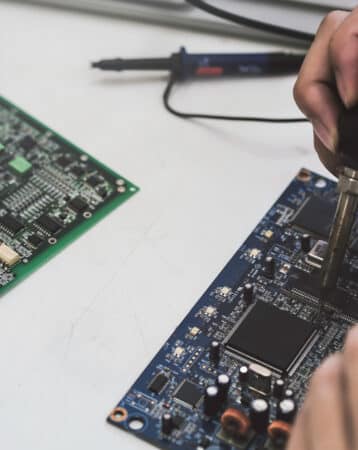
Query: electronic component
(167, 423)
(260, 379)
(316, 256)
(271, 337)
(188, 394)
(269, 267)
(259, 414)
(306, 243)
(20, 165)
(35, 240)
(235, 423)
(48, 224)
(268, 344)
(223, 383)
(286, 410)
(11, 224)
(215, 350)
(158, 383)
(212, 401)
(315, 216)
(36, 185)
(8, 256)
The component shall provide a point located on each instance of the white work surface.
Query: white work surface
(76, 334)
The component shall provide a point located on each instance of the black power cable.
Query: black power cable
(251, 23)
(183, 115)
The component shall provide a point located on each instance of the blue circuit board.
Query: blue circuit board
(260, 325)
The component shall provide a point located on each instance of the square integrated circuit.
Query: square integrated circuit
(271, 337)
(315, 216)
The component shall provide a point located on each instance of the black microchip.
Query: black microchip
(158, 383)
(78, 204)
(35, 240)
(64, 161)
(305, 284)
(27, 143)
(271, 337)
(78, 171)
(48, 224)
(94, 181)
(315, 216)
(11, 224)
(188, 393)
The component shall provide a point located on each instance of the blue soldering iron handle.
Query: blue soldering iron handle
(254, 64)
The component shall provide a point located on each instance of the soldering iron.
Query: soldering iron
(185, 65)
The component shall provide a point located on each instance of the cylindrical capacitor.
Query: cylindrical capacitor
(286, 410)
(306, 243)
(270, 267)
(248, 293)
(289, 393)
(215, 350)
(167, 423)
(223, 383)
(243, 375)
(259, 414)
(212, 401)
(279, 388)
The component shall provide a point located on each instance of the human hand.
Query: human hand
(328, 81)
(329, 417)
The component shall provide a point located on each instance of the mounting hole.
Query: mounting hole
(304, 175)
(120, 182)
(122, 189)
(136, 424)
(118, 415)
(52, 241)
(84, 158)
(87, 215)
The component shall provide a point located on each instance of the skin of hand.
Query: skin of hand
(328, 419)
(328, 81)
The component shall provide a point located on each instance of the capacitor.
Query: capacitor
(167, 423)
(215, 348)
(306, 243)
(259, 414)
(270, 267)
(286, 410)
(223, 382)
(279, 433)
(248, 293)
(289, 393)
(235, 423)
(243, 375)
(278, 388)
(212, 401)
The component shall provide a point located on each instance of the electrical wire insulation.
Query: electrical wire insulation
(252, 23)
(183, 115)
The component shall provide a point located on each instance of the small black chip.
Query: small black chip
(64, 161)
(35, 240)
(11, 224)
(158, 383)
(271, 337)
(188, 393)
(48, 224)
(315, 216)
(78, 171)
(78, 204)
(94, 181)
(27, 143)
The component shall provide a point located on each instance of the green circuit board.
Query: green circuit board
(51, 192)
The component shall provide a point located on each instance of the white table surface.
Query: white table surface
(75, 335)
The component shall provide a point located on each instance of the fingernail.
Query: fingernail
(326, 136)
